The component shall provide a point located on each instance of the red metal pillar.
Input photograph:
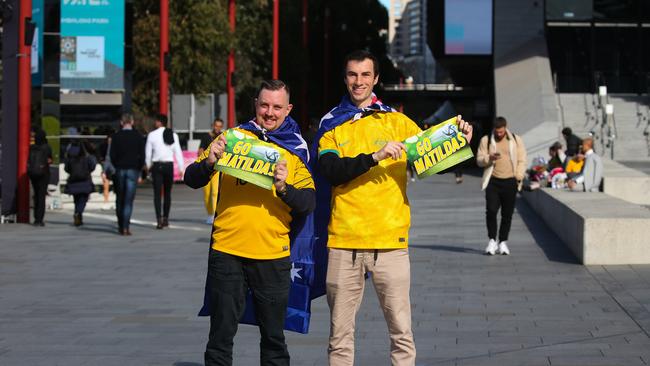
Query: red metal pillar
(276, 36)
(24, 112)
(231, 69)
(163, 81)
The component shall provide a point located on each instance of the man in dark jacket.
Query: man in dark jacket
(127, 156)
(79, 165)
(573, 142)
(38, 169)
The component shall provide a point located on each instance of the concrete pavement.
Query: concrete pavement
(86, 296)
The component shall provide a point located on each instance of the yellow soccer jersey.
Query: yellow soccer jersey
(372, 210)
(251, 221)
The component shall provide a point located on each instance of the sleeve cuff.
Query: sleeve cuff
(325, 151)
(369, 161)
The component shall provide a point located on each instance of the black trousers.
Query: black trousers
(40, 191)
(80, 200)
(229, 279)
(500, 193)
(163, 178)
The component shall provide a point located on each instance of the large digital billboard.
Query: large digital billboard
(92, 44)
(468, 27)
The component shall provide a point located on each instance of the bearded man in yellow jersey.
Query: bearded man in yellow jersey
(250, 234)
(361, 156)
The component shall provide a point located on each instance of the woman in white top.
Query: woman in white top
(160, 150)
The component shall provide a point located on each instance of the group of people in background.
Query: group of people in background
(125, 157)
(577, 167)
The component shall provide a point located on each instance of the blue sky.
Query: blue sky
(385, 3)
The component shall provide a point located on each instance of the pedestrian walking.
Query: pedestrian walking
(250, 236)
(211, 190)
(38, 170)
(502, 155)
(161, 148)
(79, 165)
(127, 156)
(361, 155)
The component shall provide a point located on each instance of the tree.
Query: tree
(200, 40)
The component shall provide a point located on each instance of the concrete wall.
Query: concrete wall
(625, 183)
(524, 89)
(599, 229)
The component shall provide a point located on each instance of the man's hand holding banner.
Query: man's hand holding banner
(249, 159)
(438, 148)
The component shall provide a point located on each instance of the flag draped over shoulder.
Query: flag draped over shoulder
(345, 111)
(308, 262)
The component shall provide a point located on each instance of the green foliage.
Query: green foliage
(200, 41)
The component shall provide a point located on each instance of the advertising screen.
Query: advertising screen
(468, 27)
(37, 42)
(92, 44)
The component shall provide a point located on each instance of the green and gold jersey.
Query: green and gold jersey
(372, 210)
(251, 221)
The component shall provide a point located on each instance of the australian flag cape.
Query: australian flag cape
(308, 263)
(345, 111)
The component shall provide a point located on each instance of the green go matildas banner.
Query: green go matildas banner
(249, 159)
(438, 148)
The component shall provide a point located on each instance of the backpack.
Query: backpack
(78, 169)
(37, 161)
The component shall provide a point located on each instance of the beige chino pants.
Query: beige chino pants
(391, 276)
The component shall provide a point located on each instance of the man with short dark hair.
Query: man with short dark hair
(161, 148)
(361, 155)
(502, 154)
(127, 156)
(250, 243)
(573, 142)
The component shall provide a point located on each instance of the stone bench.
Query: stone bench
(598, 228)
(626, 183)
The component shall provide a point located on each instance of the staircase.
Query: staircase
(623, 137)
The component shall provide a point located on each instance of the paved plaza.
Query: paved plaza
(86, 296)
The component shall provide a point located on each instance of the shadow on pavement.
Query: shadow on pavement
(448, 248)
(554, 249)
(99, 228)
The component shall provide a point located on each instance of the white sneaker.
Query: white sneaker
(492, 247)
(503, 248)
